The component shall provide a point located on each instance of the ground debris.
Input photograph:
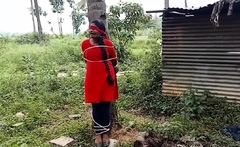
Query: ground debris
(62, 142)
(19, 114)
(75, 116)
(152, 139)
(113, 143)
(18, 124)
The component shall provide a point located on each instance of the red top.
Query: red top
(96, 87)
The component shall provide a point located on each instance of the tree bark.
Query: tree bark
(40, 33)
(33, 20)
(60, 24)
(97, 10)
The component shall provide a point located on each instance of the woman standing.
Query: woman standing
(100, 80)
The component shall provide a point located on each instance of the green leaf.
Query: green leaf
(81, 4)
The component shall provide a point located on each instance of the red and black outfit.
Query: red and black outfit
(97, 90)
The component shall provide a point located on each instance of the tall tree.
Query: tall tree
(78, 15)
(33, 12)
(33, 19)
(58, 7)
(40, 33)
(96, 8)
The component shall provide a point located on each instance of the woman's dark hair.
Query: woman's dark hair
(100, 40)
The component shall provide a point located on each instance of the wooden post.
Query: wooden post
(166, 5)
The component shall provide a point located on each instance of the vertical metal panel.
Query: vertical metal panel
(198, 55)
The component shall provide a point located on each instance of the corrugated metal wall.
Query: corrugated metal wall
(198, 55)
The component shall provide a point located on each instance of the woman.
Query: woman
(100, 80)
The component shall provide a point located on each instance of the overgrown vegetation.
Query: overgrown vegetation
(41, 85)
(31, 38)
(45, 84)
(31, 86)
(189, 119)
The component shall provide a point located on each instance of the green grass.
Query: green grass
(139, 46)
(30, 85)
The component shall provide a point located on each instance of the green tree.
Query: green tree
(77, 20)
(154, 27)
(33, 12)
(58, 7)
(154, 23)
(77, 15)
(123, 30)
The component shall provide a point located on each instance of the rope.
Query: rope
(94, 47)
(99, 128)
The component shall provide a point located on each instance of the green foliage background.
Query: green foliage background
(45, 83)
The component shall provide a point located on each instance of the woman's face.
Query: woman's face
(93, 34)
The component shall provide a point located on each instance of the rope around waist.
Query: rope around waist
(93, 47)
(99, 60)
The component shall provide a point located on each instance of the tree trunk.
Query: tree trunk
(97, 10)
(40, 33)
(33, 20)
(60, 24)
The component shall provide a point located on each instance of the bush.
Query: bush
(3, 41)
(129, 90)
(197, 106)
(212, 110)
(66, 50)
(143, 89)
(31, 38)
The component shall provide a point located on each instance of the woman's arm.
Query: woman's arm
(83, 46)
(112, 52)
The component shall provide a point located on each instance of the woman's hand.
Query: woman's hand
(115, 69)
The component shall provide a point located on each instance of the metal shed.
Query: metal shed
(198, 54)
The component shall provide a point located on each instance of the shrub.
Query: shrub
(3, 41)
(143, 90)
(66, 50)
(31, 38)
(196, 106)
